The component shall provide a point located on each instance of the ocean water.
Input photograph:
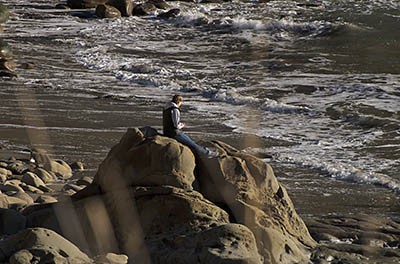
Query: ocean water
(317, 83)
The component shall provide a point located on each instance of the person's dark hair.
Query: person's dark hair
(177, 98)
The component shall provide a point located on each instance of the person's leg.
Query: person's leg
(187, 141)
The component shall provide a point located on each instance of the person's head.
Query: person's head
(177, 99)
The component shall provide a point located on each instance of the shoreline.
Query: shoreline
(56, 106)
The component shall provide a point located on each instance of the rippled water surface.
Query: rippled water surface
(314, 84)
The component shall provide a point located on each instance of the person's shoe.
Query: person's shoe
(212, 154)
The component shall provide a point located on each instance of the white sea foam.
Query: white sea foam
(345, 171)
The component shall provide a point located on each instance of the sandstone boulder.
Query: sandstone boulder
(11, 186)
(124, 6)
(44, 199)
(4, 171)
(45, 245)
(4, 13)
(111, 258)
(59, 167)
(4, 202)
(85, 180)
(107, 11)
(142, 202)
(18, 167)
(44, 175)
(3, 178)
(77, 166)
(180, 226)
(143, 159)
(160, 224)
(32, 179)
(248, 186)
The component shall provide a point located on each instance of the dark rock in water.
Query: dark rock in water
(8, 65)
(4, 13)
(170, 14)
(8, 74)
(82, 4)
(27, 66)
(107, 11)
(62, 6)
(144, 9)
(5, 50)
(124, 6)
(77, 166)
(160, 4)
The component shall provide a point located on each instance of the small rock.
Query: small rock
(18, 167)
(5, 171)
(77, 166)
(44, 175)
(10, 186)
(27, 66)
(16, 202)
(3, 164)
(31, 189)
(21, 257)
(5, 50)
(8, 74)
(4, 202)
(107, 11)
(170, 14)
(124, 6)
(32, 179)
(85, 180)
(8, 65)
(144, 9)
(73, 187)
(46, 189)
(3, 178)
(22, 196)
(44, 199)
(111, 258)
(62, 6)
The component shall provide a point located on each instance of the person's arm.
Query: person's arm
(176, 117)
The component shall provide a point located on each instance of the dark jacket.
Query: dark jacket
(171, 120)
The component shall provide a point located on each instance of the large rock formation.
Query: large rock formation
(249, 188)
(142, 202)
(143, 158)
